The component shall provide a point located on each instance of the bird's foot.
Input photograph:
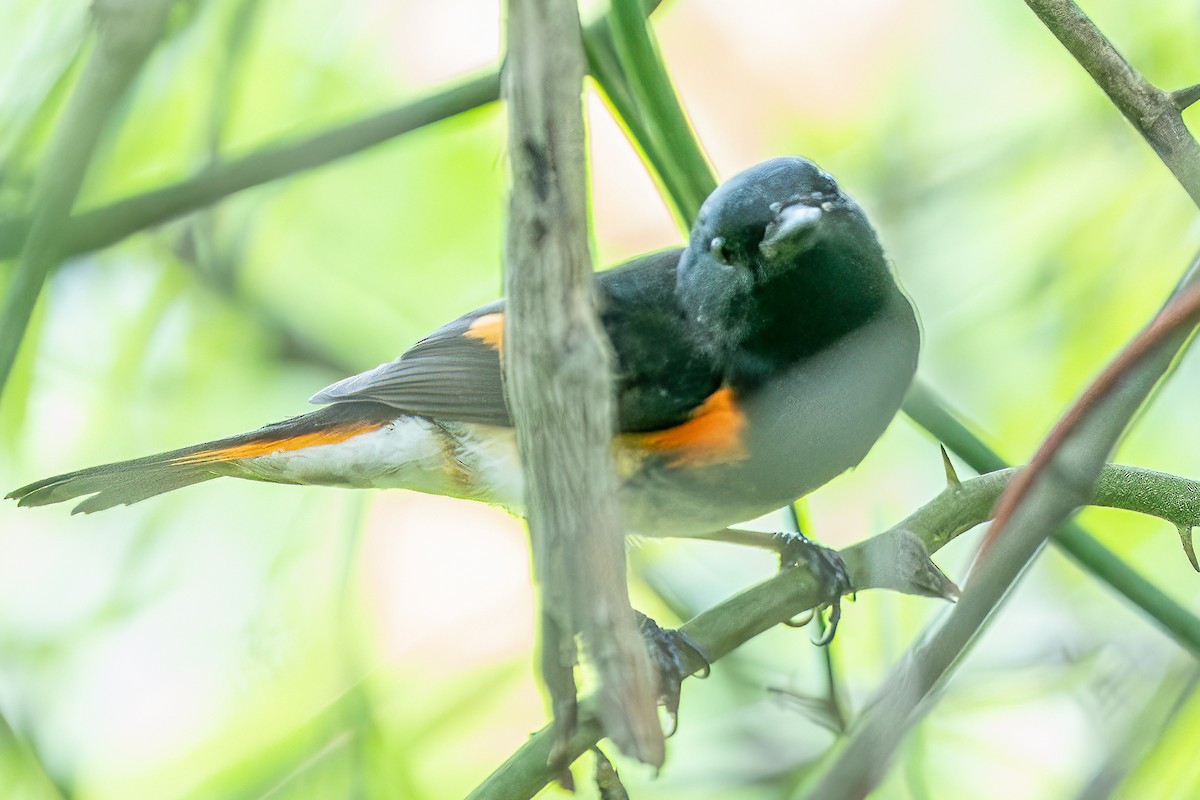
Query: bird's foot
(830, 570)
(674, 657)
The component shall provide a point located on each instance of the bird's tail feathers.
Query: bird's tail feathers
(126, 482)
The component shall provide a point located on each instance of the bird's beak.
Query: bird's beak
(792, 230)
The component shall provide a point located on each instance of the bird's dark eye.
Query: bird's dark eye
(720, 250)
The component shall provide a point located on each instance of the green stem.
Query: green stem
(112, 223)
(126, 32)
(684, 170)
(606, 68)
(723, 628)
(928, 411)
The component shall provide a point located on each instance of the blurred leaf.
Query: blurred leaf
(1171, 769)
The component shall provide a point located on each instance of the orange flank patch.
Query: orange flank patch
(712, 435)
(488, 329)
(267, 446)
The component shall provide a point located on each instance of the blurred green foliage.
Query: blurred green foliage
(241, 640)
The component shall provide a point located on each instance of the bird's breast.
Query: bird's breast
(797, 429)
(821, 416)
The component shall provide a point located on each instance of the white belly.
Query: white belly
(476, 462)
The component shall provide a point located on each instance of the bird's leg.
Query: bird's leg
(674, 657)
(829, 568)
(794, 548)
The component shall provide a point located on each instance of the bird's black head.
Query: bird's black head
(780, 263)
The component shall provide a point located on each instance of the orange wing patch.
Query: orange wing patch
(713, 434)
(488, 329)
(265, 447)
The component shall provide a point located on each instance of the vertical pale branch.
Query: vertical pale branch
(560, 387)
(126, 32)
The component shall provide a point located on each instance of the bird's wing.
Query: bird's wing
(454, 374)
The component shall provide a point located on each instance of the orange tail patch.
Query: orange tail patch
(488, 329)
(278, 444)
(713, 434)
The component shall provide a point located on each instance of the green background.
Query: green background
(248, 640)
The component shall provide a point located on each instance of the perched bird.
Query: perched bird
(752, 366)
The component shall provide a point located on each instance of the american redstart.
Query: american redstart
(751, 366)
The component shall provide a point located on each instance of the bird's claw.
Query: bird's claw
(672, 654)
(830, 569)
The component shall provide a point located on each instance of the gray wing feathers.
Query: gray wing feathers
(448, 376)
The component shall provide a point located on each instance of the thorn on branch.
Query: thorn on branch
(1185, 538)
(952, 480)
(898, 560)
(1184, 98)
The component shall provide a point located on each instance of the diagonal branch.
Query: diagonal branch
(685, 171)
(110, 224)
(895, 559)
(126, 32)
(928, 411)
(1152, 111)
(1072, 456)
(1183, 99)
(1060, 479)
